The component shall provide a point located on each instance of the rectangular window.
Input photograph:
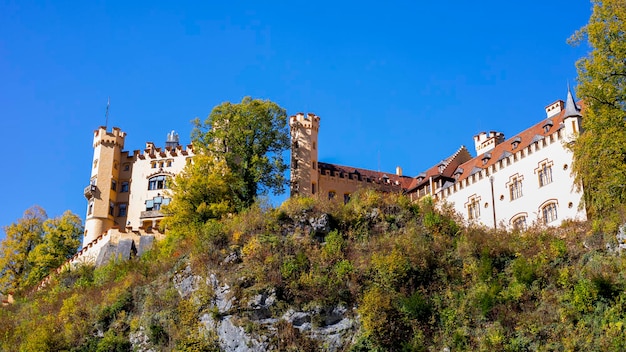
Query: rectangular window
(121, 209)
(545, 175)
(313, 188)
(169, 163)
(346, 198)
(111, 208)
(124, 188)
(473, 209)
(515, 188)
(113, 185)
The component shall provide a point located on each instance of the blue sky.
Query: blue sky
(395, 83)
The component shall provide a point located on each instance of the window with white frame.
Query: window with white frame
(157, 182)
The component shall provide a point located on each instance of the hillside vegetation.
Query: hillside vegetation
(411, 277)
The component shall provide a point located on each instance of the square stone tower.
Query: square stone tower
(304, 168)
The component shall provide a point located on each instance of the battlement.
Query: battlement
(309, 121)
(115, 137)
(153, 152)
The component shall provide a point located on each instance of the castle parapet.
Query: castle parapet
(115, 137)
(309, 121)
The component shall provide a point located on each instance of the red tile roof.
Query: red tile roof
(449, 166)
(509, 147)
(374, 176)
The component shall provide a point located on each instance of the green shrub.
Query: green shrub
(111, 342)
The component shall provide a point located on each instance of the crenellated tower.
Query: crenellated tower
(304, 173)
(101, 193)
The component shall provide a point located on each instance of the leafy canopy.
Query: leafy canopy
(600, 150)
(34, 245)
(250, 138)
(200, 193)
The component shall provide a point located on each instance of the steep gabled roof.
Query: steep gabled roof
(450, 165)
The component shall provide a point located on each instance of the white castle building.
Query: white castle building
(511, 183)
(524, 179)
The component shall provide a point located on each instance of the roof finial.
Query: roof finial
(106, 114)
(571, 109)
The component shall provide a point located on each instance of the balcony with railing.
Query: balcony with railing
(150, 214)
(90, 191)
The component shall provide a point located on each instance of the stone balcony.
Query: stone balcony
(150, 214)
(90, 191)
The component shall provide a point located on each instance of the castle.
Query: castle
(510, 183)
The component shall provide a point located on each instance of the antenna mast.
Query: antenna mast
(106, 114)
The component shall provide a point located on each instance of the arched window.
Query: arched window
(519, 222)
(331, 195)
(549, 212)
(157, 182)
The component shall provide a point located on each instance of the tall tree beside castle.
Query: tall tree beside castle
(250, 137)
(600, 151)
(34, 245)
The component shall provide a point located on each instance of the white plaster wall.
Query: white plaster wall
(562, 188)
(142, 172)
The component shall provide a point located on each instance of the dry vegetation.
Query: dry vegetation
(419, 280)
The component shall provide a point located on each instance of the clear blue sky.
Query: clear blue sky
(395, 83)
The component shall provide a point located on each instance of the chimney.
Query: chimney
(485, 142)
(398, 171)
(555, 108)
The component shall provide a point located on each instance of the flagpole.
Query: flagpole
(106, 114)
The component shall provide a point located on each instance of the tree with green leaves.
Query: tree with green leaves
(200, 193)
(250, 137)
(61, 239)
(600, 150)
(34, 245)
(21, 238)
